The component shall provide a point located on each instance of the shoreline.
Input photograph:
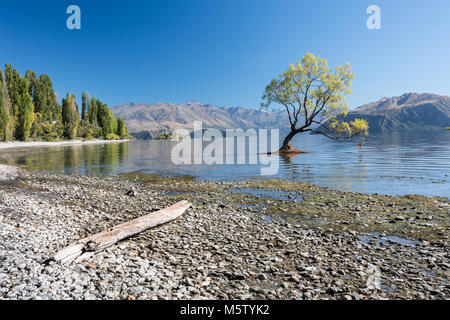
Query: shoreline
(225, 246)
(27, 144)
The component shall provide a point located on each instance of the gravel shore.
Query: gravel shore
(21, 144)
(228, 245)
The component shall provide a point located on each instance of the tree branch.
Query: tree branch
(333, 137)
(289, 115)
(321, 124)
(323, 133)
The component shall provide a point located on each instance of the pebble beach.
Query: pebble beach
(224, 247)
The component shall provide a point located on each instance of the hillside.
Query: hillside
(166, 117)
(411, 111)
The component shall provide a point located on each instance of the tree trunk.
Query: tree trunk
(287, 147)
(89, 246)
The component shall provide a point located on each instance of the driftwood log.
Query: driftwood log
(87, 247)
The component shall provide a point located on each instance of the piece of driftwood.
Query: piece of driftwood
(87, 247)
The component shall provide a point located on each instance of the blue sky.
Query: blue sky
(225, 52)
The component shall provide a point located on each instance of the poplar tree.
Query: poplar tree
(44, 98)
(3, 112)
(70, 117)
(83, 106)
(122, 130)
(12, 77)
(25, 112)
(29, 107)
(106, 119)
(93, 110)
(32, 80)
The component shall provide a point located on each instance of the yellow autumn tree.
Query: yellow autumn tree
(313, 95)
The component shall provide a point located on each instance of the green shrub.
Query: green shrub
(89, 131)
(51, 136)
(112, 136)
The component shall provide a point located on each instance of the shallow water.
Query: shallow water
(387, 240)
(268, 194)
(398, 163)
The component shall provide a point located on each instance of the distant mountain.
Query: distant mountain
(411, 111)
(148, 120)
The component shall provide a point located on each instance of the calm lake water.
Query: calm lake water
(395, 163)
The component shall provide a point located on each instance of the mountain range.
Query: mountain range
(411, 111)
(150, 120)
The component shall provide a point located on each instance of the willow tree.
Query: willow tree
(313, 95)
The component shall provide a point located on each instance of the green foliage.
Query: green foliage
(31, 79)
(89, 131)
(25, 113)
(350, 129)
(29, 107)
(37, 129)
(49, 132)
(165, 136)
(12, 78)
(99, 115)
(122, 130)
(70, 117)
(112, 136)
(44, 97)
(83, 106)
(106, 119)
(93, 110)
(43, 101)
(4, 118)
(314, 96)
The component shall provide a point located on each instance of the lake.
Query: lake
(395, 163)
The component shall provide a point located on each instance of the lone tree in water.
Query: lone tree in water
(314, 97)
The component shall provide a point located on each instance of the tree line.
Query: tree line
(30, 110)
